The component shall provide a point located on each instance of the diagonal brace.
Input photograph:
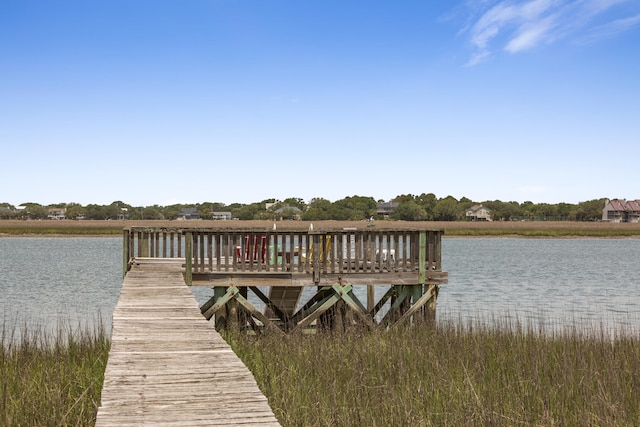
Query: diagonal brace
(246, 305)
(221, 301)
(316, 300)
(430, 293)
(318, 309)
(402, 296)
(283, 317)
(347, 295)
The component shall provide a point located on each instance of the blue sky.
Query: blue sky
(162, 102)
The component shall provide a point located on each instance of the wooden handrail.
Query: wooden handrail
(311, 252)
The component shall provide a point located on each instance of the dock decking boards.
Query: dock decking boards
(167, 365)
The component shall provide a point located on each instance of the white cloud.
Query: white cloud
(611, 29)
(530, 35)
(519, 25)
(478, 58)
(505, 15)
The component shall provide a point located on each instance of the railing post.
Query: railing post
(315, 253)
(422, 255)
(188, 257)
(125, 252)
(143, 245)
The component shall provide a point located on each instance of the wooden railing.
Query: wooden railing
(236, 261)
(146, 242)
(299, 255)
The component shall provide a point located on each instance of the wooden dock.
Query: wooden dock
(167, 364)
(239, 263)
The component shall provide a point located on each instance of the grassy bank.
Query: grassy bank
(462, 228)
(51, 380)
(452, 375)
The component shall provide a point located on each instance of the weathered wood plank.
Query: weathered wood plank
(297, 280)
(167, 365)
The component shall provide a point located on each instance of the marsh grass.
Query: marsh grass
(455, 374)
(551, 229)
(79, 231)
(51, 379)
(543, 232)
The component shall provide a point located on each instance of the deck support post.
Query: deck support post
(422, 257)
(126, 236)
(221, 296)
(371, 298)
(188, 258)
(430, 306)
(428, 296)
(416, 293)
(220, 319)
(143, 244)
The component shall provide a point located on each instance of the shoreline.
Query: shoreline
(445, 236)
(521, 229)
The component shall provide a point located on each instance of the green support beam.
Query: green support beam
(425, 298)
(220, 301)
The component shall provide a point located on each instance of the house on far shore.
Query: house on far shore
(288, 212)
(386, 209)
(478, 213)
(8, 212)
(188, 213)
(57, 213)
(123, 215)
(620, 210)
(221, 215)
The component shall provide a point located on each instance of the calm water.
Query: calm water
(555, 281)
(44, 280)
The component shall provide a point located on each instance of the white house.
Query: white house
(478, 213)
(57, 213)
(386, 209)
(221, 215)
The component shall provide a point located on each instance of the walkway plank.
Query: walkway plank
(167, 365)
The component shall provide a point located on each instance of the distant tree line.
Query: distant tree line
(425, 207)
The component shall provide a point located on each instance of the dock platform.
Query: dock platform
(289, 280)
(167, 364)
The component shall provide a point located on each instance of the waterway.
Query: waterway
(49, 281)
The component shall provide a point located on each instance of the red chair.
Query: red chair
(252, 249)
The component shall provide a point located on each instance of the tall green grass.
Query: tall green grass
(453, 375)
(51, 379)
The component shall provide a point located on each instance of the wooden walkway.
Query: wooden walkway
(167, 365)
